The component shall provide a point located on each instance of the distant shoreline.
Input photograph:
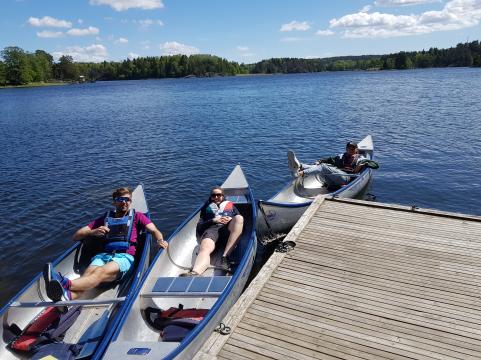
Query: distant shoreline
(37, 84)
(47, 84)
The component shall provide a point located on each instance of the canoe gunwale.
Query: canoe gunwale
(36, 278)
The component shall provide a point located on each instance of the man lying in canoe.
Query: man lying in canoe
(218, 217)
(118, 230)
(334, 170)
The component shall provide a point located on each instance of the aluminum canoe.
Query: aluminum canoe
(135, 336)
(282, 211)
(102, 306)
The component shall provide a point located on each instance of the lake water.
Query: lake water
(63, 149)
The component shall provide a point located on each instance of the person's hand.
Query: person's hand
(225, 219)
(300, 173)
(359, 168)
(162, 243)
(221, 219)
(101, 231)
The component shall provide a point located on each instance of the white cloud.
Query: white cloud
(83, 32)
(175, 48)
(456, 14)
(145, 23)
(295, 25)
(366, 8)
(91, 53)
(325, 32)
(80, 21)
(291, 39)
(50, 34)
(121, 40)
(242, 48)
(122, 5)
(48, 21)
(132, 56)
(403, 2)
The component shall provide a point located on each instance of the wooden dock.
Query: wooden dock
(365, 281)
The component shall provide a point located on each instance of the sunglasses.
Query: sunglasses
(122, 199)
(216, 194)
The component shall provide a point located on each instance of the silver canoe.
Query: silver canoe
(135, 336)
(284, 209)
(101, 305)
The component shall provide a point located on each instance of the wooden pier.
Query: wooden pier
(365, 281)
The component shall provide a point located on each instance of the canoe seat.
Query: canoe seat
(197, 286)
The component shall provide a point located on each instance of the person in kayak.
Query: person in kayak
(334, 170)
(218, 218)
(118, 231)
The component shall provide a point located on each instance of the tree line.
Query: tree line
(467, 54)
(19, 67)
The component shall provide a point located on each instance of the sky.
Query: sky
(245, 31)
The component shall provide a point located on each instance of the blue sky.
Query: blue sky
(244, 31)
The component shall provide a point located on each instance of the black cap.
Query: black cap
(351, 143)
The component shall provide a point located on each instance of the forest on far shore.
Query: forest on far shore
(19, 67)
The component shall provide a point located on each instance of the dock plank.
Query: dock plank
(426, 335)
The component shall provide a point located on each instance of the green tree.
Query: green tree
(66, 68)
(42, 64)
(17, 66)
(3, 78)
(402, 61)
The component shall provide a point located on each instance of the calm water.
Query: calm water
(63, 149)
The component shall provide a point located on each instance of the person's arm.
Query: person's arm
(157, 235)
(330, 160)
(205, 221)
(359, 164)
(95, 228)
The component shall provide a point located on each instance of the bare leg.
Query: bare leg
(93, 276)
(202, 261)
(235, 228)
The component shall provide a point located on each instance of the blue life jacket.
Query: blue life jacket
(118, 238)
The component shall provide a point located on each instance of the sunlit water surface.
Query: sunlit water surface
(65, 148)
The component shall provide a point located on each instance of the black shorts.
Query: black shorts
(215, 232)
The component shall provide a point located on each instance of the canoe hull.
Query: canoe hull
(21, 309)
(284, 209)
(134, 332)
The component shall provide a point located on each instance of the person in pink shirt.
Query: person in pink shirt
(118, 230)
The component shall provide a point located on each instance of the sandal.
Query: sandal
(190, 273)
